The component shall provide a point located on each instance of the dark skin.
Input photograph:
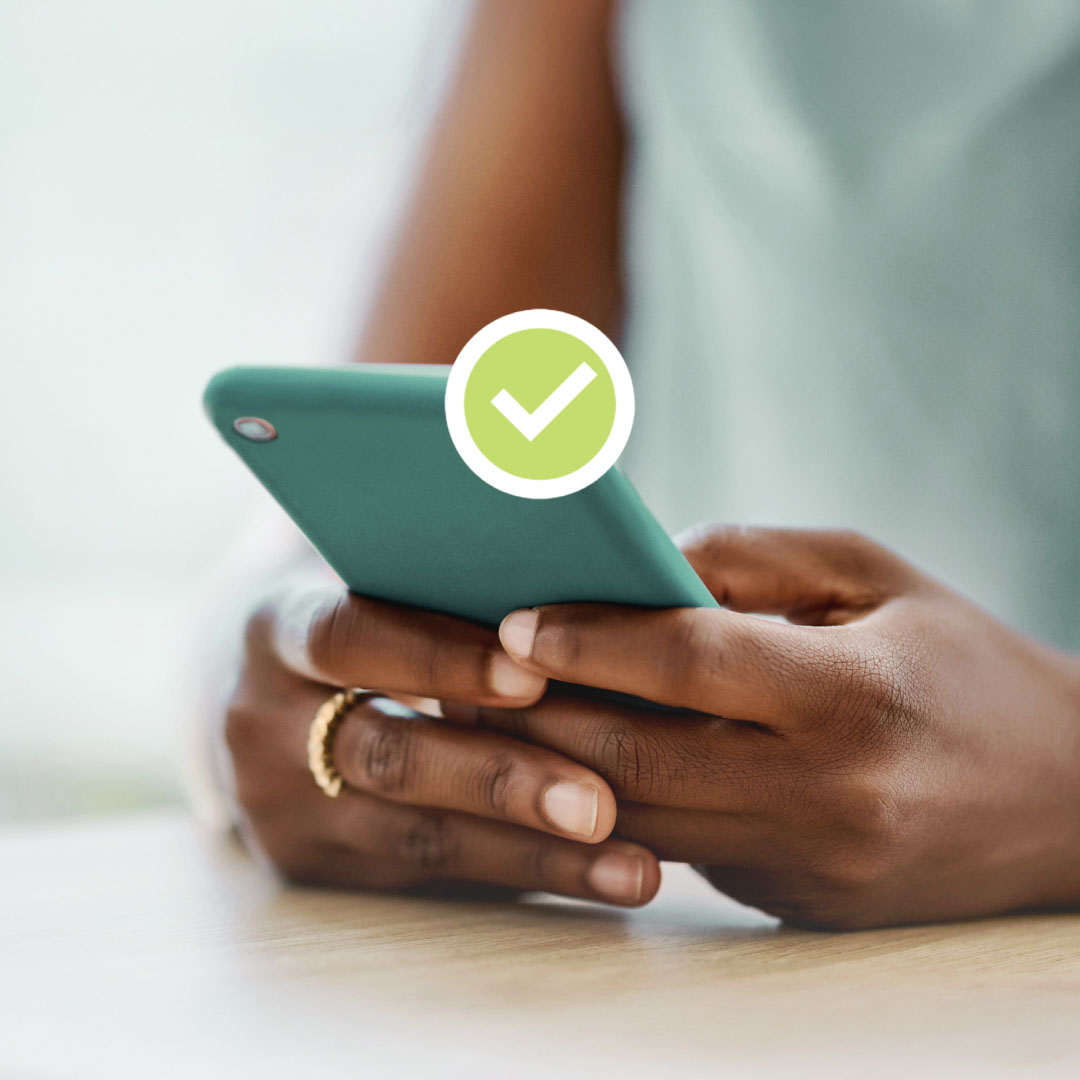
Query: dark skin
(431, 803)
(888, 753)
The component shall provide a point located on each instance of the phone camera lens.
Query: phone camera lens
(254, 428)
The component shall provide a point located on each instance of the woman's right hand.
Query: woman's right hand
(428, 802)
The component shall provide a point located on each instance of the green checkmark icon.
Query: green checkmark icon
(527, 377)
(539, 403)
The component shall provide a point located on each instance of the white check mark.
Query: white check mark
(530, 424)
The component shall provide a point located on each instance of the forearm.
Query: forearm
(517, 204)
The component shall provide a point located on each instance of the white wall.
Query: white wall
(183, 187)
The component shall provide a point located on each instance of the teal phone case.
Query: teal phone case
(363, 463)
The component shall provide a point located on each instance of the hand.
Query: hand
(890, 754)
(434, 804)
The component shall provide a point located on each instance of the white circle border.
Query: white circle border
(539, 319)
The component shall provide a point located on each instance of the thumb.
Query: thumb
(818, 577)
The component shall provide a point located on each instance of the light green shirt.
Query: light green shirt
(854, 269)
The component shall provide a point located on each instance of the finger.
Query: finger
(397, 846)
(325, 633)
(696, 836)
(686, 760)
(713, 661)
(820, 577)
(386, 750)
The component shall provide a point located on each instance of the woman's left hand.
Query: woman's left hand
(891, 753)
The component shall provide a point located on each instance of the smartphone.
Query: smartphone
(361, 459)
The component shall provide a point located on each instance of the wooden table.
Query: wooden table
(144, 947)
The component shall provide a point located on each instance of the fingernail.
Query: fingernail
(517, 632)
(572, 807)
(617, 877)
(511, 680)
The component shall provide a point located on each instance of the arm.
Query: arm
(518, 201)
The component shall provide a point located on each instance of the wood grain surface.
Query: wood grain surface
(145, 947)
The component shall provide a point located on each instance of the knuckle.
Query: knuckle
(432, 666)
(692, 651)
(493, 784)
(881, 683)
(863, 689)
(861, 838)
(872, 808)
(425, 663)
(427, 844)
(632, 764)
(864, 559)
(380, 752)
(861, 799)
(705, 540)
(714, 538)
(858, 552)
(338, 631)
(852, 869)
(344, 632)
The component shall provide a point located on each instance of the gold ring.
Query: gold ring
(321, 734)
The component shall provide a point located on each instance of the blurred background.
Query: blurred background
(182, 188)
